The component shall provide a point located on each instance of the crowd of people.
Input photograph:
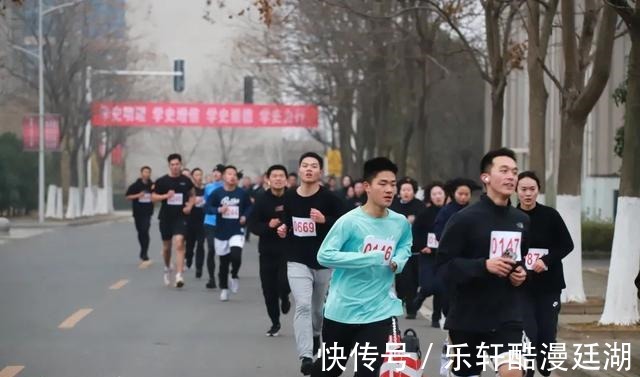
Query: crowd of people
(355, 255)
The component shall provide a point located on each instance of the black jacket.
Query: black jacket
(478, 300)
(267, 207)
(422, 226)
(548, 231)
(141, 209)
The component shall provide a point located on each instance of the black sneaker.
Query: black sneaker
(198, 274)
(306, 366)
(285, 306)
(211, 284)
(274, 330)
(435, 324)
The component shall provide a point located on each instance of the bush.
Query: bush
(597, 236)
(18, 176)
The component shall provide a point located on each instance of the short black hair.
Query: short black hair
(452, 186)
(276, 167)
(376, 165)
(145, 167)
(219, 168)
(174, 156)
(529, 174)
(195, 170)
(230, 167)
(487, 160)
(409, 180)
(431, 186)
(312, 155)
(293, 174)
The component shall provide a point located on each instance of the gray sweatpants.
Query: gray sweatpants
(309, 288)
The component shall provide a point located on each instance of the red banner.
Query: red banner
(150, 114)
(31, 132)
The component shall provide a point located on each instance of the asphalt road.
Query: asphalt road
(139, 327)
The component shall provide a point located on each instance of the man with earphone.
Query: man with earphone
(480, 257)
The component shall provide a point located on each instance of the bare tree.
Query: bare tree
(621, 304)
(579, 94)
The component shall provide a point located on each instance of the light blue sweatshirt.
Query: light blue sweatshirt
(359, 248)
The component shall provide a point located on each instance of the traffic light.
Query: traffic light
(178, 79)
(248, 89)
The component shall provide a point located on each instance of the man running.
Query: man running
(481, 256)
(267, 215)
(210, 225)
(366, 248)
(232, 205)
(310, 211)
(195, 225)
(140, 195)
(175, 191)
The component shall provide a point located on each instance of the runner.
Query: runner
(310, 211)
(292, 180)
(210, 225)
(426, 243)
(366, 248)
(550, 242)
(175, 191)
(140, 195)
(407, 282)
(195, 225)
(232, 205)
(267, 215)
(480, 255)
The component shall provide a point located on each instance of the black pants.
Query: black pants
(143, 223)
(407, 283)
(346, 336)
(275, 285)
(429, 286)
(195, 240)
(234, 258)
(540, 324)
(210, 233)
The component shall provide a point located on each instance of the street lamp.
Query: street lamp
(41, 14)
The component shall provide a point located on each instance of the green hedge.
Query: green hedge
(597, 236)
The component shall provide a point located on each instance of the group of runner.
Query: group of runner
(353, 258)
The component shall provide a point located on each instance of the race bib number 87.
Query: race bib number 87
(506, 244)
(303, 227)
(532, 257)
(378, 245)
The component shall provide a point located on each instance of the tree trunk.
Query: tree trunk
(345, 120)
(497, 115)
(621, 305)
(569, 202)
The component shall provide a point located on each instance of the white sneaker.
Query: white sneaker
(179, 280)
(167, 277)
(234, 286)
(224, 295)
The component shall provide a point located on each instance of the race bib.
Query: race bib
(233, 212)
(505, 244)
(432, 241)
(372, 244)
(146, 198)
(175, 200)
(303, 227)
(533, 256)
(199, 201)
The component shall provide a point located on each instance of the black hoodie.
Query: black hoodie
(267, 207)
(480, 301)
(549, 232)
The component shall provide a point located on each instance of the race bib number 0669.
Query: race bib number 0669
(378, 245)
(303, 227)
(505, 244)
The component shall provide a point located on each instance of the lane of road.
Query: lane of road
(121, 321)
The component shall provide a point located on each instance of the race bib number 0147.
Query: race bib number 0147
(378, 245)
(505, 244)
(303, 227)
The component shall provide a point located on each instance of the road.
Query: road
(139, 327)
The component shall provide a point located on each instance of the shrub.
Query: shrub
(597, 236)
(18, 176)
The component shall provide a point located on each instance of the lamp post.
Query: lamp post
(41, 14)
